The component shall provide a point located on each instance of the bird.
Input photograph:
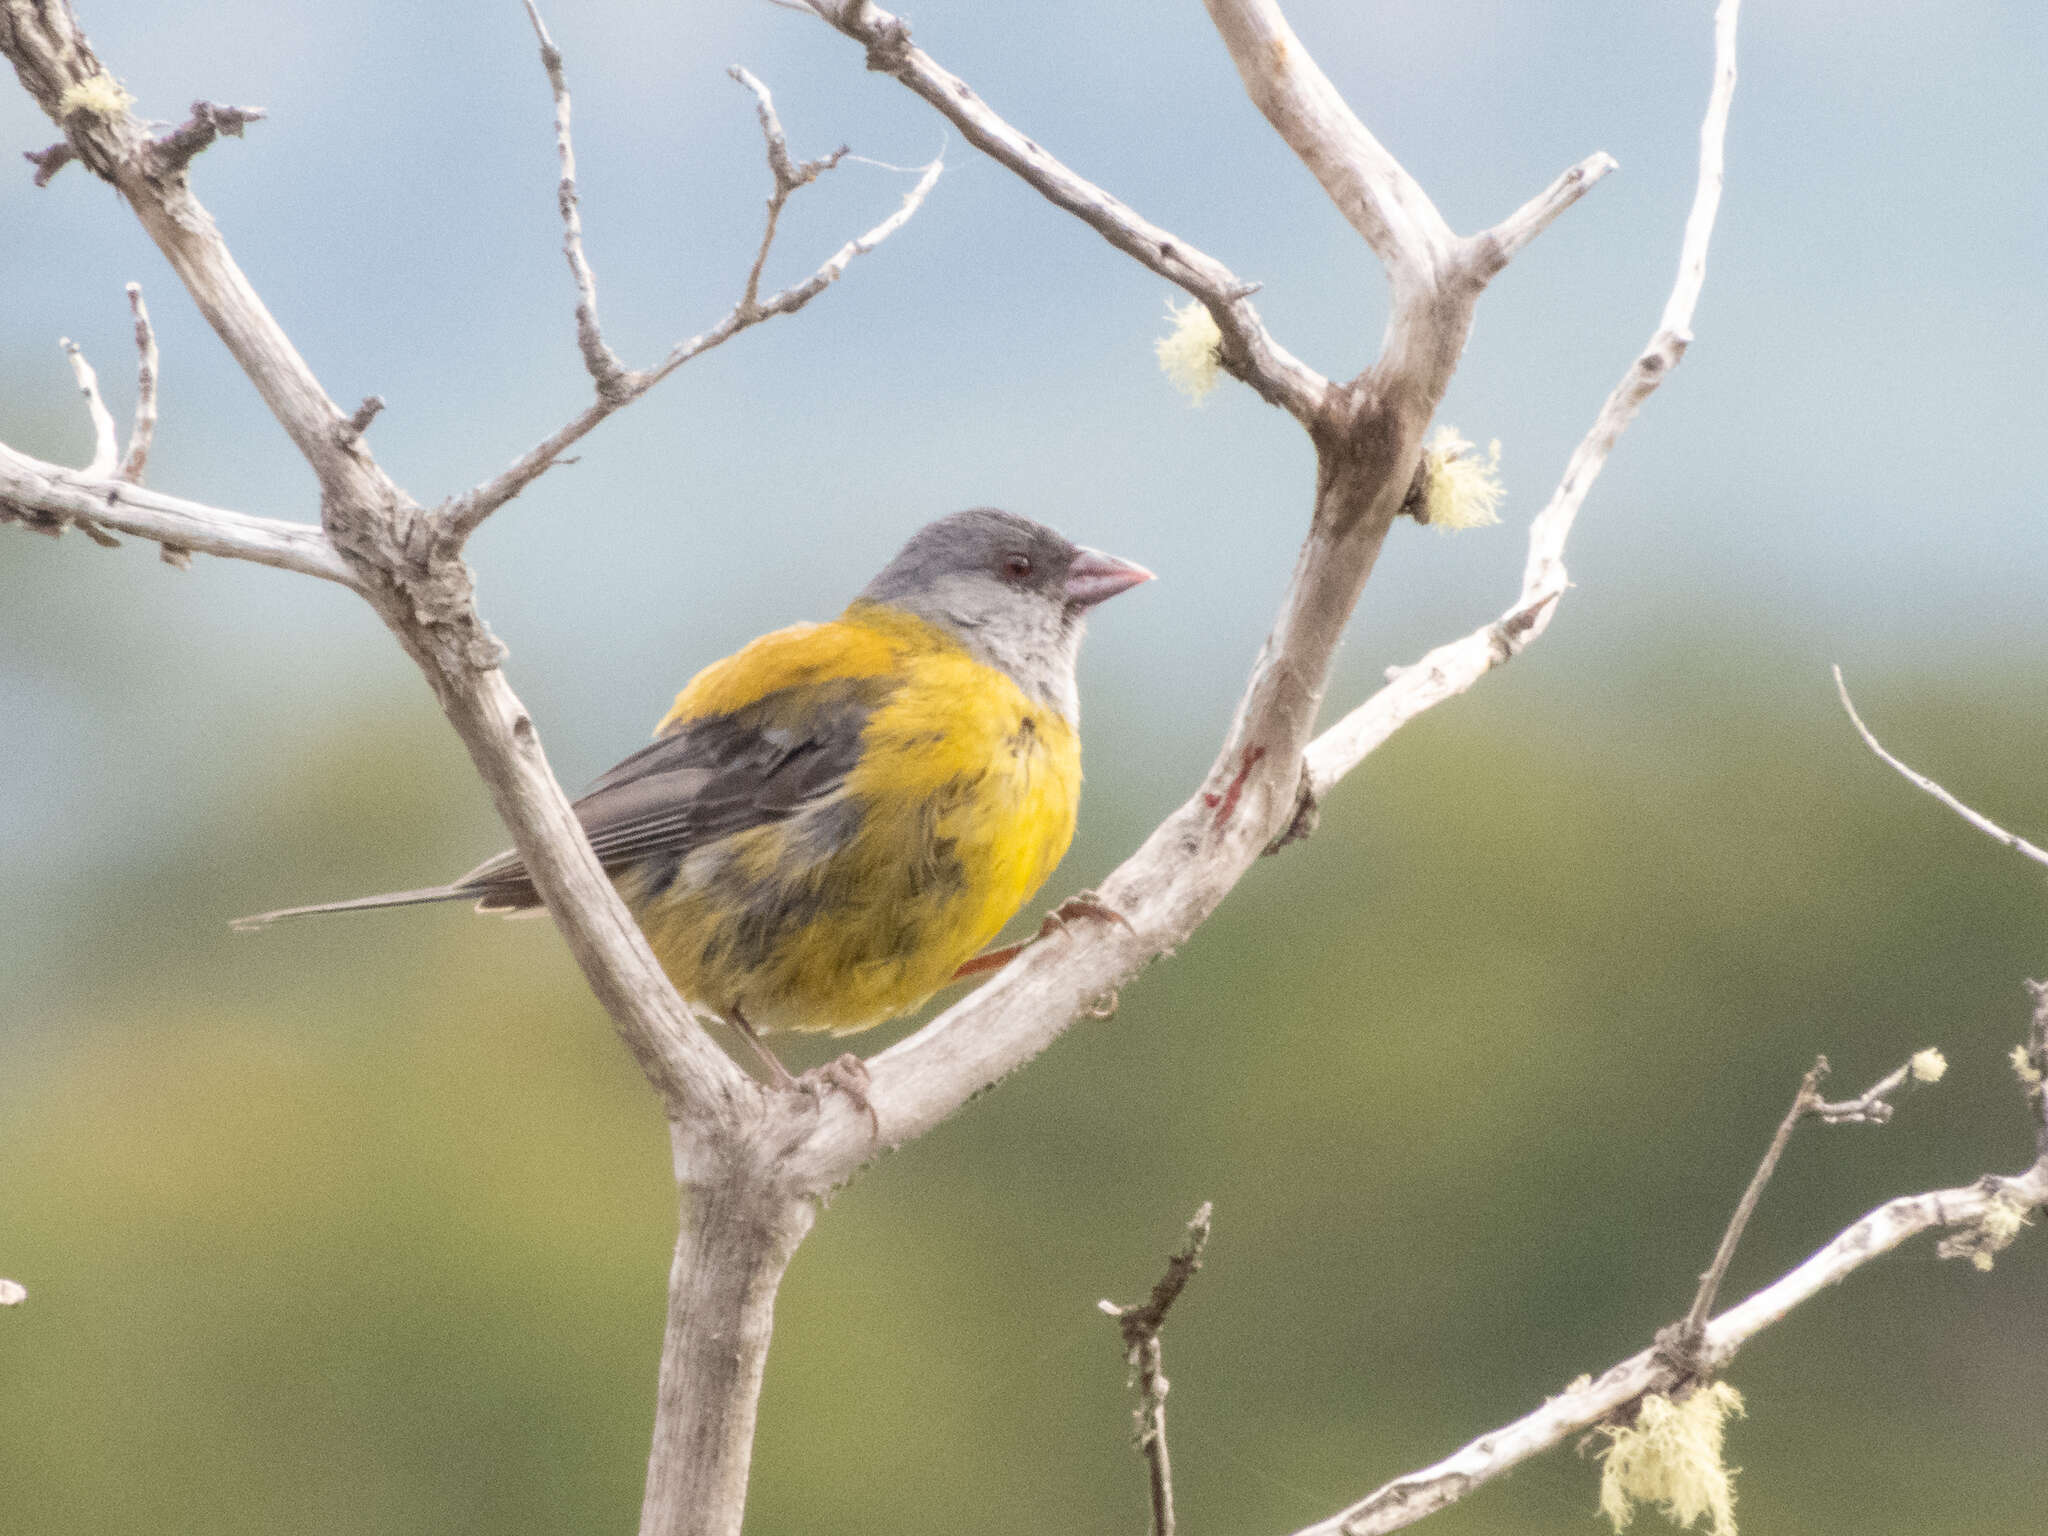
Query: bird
(832, 822)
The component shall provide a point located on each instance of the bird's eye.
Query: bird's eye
(1017, 565)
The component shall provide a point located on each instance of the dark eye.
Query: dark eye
(1017, 565)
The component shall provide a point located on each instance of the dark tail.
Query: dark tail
(362, 903)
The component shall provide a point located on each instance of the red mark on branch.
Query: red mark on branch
(1225, 804)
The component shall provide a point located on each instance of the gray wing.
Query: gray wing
(707, 779)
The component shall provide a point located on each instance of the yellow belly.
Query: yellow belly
(863, 905)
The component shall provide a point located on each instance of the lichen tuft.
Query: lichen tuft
(1671, 1457)
(1188, 354)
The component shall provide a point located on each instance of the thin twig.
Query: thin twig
(1507, 238)
(1139, 1326)
(142, 435)
(48, 162)
(1976, 819)
(1873, 1106)
(1419, 1494)
(1249, 352)
(359, 420)
(1452, 668)
(106, 448)
(618, 385)
(788, 175)
(1694, 1325)
(209, 121)
(468, 511)
(49, 498)
(793, 298)
(606, 371)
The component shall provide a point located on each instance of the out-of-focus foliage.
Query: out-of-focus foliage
(362, 1225)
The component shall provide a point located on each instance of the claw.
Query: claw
(849, 1074)
(1084, 904)
(1081, 904)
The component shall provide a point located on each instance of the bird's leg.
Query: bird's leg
(777, 1072)
(849, 1074)
(1080, 904)
(988, 960)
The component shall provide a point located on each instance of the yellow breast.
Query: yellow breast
(961, 802)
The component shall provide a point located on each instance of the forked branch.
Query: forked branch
(1248, 352)
(1139, 1327)
(1454, 667)
(1682, 1341)
(618, 385)
(1372, 189)
(1978, 1218)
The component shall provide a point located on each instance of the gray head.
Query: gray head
(1012, 591)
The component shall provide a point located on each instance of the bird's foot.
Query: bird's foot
(849, 1074)
(1083, 904)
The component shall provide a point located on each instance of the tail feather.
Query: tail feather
(361, 903)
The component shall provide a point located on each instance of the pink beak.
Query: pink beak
(1095, 577)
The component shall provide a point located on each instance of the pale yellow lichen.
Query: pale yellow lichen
(1671, 1457)
(1928, 1065)
(1990, 1234)
(1188, 353)
(99, 94)
(1462, 488)
(2024, 1069)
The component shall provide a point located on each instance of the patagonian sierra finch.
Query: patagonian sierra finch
(836, 818)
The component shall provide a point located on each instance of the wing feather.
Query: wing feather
(710, 777)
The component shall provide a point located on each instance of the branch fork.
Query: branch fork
(1139, 1326)
(755, 1165)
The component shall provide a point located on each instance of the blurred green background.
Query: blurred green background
(364, 1226)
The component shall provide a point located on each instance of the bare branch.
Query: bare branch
(1368, 441)
(618, 385)
(106, 449)
(48, 162)
(467, 512)
(1693, 1327)
(1580, 1406)
(788, 176)
(359, 421)
(1976, 819)
(1681, 1342)
(1139, 1326)
(1874, 1105)
(793, 298)
(1370, 187)
(143, 433)
(51, 497)
(209, 121)
(1249, 353)
(1452, 668)
(375, 538)
(609, 374)
(1506, 239)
